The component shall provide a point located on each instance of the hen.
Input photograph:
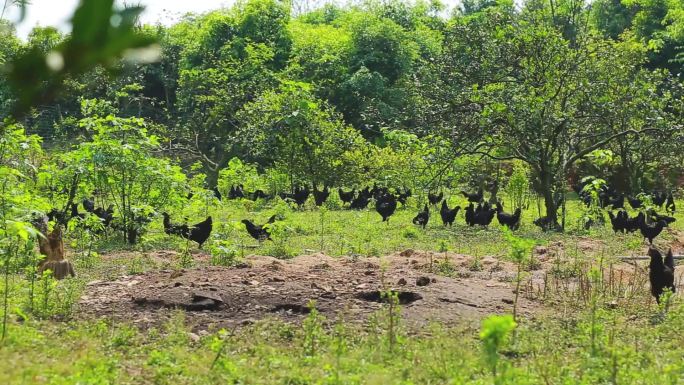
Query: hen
(385, 206)
(423, 217)
(260, 233)
(320, 196)
(634, 202)
(484, 214)
(652, 230)
(670, 204)
(448, 215)
(619, 221)
(346, 196)
(512, 221)
(199, 232)
(435, 198)
(661, 274)
(475, 197)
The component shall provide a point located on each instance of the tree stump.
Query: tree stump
(51, 245)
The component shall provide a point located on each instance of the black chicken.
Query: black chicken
(199, 232)
(258, 194)
(470, 215)
(619, 221)
(448, 215)
(658, 198)
(474, 198)
(512, 221)
(236, 192)
(321, 196)
(670, 204)
(75, 213)
(616, 202)
(346, 196)
(88, 205)
(360, 202)
(661, 274)
(655, 217)
(385, 206)
(403, 195)
(58, 216)
(634, 202)
(435, 198)
(174, 229)
(634, 223)
(106, 216)
(260, 233)
(484, 214)
(652, 230)
(423, 217)
(217, 193)
(300, 195)
(546, 223)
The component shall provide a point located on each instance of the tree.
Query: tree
(549, 100)
(119, 163)
(291, 130)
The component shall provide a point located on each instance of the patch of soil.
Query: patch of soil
(215, 297)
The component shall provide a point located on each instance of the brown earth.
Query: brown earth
(264, 287)
(216, 297)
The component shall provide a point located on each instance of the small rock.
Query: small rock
(276, 279)
(316, 286)
(250, 282)
(539, 250)
(422, 281)
(612, 305)
(361, 286)
(91, 283)
(402, 282)
(433, 280)
(193, 337)
(177, 284)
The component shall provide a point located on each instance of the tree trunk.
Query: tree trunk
(52, 247)
(546, 181)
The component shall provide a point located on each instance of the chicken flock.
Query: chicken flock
(478, 212)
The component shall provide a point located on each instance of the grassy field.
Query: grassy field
(598, 339)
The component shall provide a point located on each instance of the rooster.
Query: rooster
(448, 215)
(660, 274)
(423, 217)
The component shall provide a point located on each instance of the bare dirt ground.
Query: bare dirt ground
(263, 287)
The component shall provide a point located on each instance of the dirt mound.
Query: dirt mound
(352, 288)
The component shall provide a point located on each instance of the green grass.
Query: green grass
(607, 347)
(583, 338)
